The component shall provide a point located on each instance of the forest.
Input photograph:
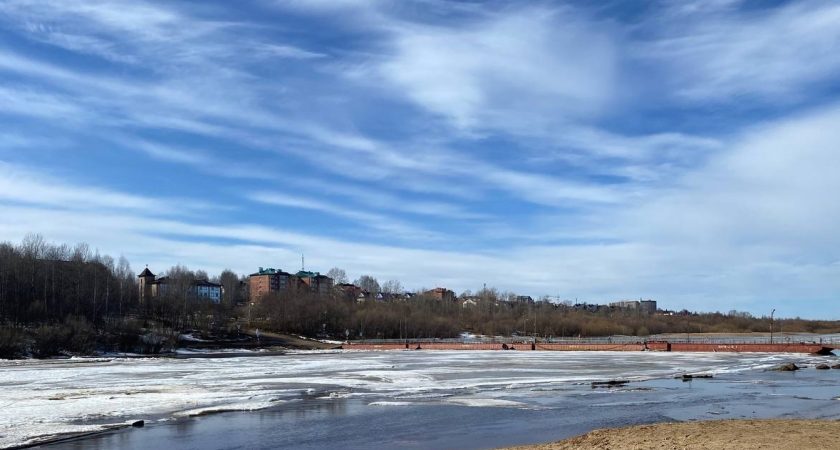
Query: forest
(57, 299)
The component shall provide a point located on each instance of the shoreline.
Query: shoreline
(730, 434)
(273, 344)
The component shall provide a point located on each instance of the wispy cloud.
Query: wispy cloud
(519, 63)
(370, 219)
(726, 51)
(22, 185)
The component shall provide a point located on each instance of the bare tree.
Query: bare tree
(125, 280)
(338, 276)
(230, 283)
(393, 287)
(369, 284)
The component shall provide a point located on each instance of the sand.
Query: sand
(722, 435)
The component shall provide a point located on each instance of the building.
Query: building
(626, 304)
(524, 299)
(207, 289)
(644, 306)
(389, 297)
(269, 282)
(351, 291)
(146, 279)
(468, 302)
(150, 286)
(442, 294)
(648, 306)
(317, 283)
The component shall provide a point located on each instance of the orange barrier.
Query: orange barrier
(623, 347)
(750, 348)
(592, 347)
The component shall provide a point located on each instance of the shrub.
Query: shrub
(12, 343)
(126, 337)
(76, 335)
(49, 341)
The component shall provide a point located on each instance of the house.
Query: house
(150, 286)
(442, 294)
(468, 302)
(524, 299)
(587, 307)
(207, 289)
(270, 281)
(351, 291)
(389, 296)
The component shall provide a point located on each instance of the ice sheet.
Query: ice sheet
(39, 398)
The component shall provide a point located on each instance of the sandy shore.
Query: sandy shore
(722, 435)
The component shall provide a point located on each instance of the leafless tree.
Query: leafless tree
(338, 276)
(230, 283)
(369, 284)
(393, 287)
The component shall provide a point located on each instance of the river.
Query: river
(393, 400)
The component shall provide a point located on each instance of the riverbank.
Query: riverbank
(723, 434)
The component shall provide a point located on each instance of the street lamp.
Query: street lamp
(771, 325)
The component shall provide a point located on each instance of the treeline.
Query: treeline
(42, 283)
(423, 316)
(60, 299)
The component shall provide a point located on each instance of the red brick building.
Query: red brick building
(270, 281)
(442, 294)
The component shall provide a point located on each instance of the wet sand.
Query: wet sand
(723, 435)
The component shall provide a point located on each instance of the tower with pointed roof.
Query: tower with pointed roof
(146, 279)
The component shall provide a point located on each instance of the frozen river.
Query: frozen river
(391, 400)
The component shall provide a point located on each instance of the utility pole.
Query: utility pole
(535, 324)
(687, 331)
(771, 325)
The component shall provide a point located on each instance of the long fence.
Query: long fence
(783, 339)
(599, 345)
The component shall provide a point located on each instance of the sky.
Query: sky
(681, 151)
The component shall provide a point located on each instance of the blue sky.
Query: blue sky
(684, 151)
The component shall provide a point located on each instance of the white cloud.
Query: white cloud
(22, 185)
(775, 186)
(36, 104)
(385, 201)
(726, 51)
(361, 214)
(518, 63)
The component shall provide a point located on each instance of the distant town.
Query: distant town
(266, 282)
(58, 299)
